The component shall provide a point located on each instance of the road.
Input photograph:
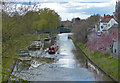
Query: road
(68, 64)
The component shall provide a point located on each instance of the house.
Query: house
(116, 47)
(106, 22)
(116, 42)
(66, 23)
(111, 23)
(113, 28)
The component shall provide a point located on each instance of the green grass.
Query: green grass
(105, 61)
(0, 62)
(43, 35)
(82, 46)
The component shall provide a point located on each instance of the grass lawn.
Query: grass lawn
(0, 62)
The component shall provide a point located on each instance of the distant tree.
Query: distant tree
(77, 19)
(92, 20)
(19, 25)
(80, 31)
(80, 28)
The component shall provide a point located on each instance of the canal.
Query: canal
(68, 64)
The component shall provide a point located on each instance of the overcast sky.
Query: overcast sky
(68, 9)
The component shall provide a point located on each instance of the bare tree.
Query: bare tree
(12, 8)
(81, 28)
(80, 31)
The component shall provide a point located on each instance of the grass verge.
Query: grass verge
(105, 61)
(0, 62)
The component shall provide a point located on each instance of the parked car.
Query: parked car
(99, 33)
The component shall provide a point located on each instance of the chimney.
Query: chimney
(104, 15)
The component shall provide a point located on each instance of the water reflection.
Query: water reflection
(65, 50)
(70, 58)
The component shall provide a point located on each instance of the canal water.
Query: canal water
(68, 64)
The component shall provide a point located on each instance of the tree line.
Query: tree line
(19, 30)
(19, 25)
(82, 27)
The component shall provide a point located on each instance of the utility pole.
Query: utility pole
(118, 13)
(94, 19)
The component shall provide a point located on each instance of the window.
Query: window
(104, 24)
(101, 27)
(52, 48)
(115, 50)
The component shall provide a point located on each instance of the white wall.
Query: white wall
(104, 26)
(108, 25)
(111, 23)
(115, 47)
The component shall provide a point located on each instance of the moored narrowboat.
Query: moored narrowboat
(53, 49)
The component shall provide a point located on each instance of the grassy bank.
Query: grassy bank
(10, 49)
(0, 62)
(108, 63)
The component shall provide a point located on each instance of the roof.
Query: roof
(107, 18)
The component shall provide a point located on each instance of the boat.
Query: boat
(35, 64)
(36, 45)
(53, 49)
(23, 52)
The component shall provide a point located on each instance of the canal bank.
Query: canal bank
(89, 55)
(67, 59)
(9, 54)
